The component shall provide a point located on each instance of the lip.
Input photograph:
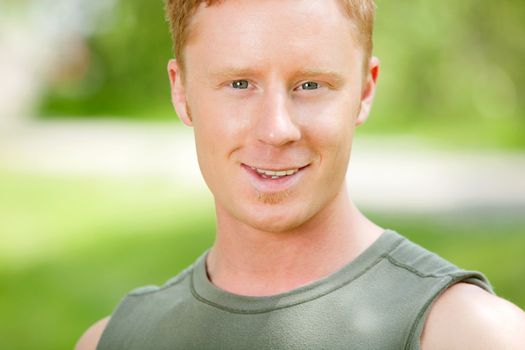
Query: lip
(273, 185)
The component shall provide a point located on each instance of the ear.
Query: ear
(178, 93)
(369, 89)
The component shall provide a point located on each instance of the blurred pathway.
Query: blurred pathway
(388, 173)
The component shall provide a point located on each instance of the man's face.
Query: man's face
(274, 90)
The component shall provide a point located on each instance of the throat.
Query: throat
(277, 267)
(259, 283)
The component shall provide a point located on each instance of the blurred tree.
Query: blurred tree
(451, 70)
(126, 76)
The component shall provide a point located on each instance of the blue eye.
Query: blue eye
(310, 85)
(240, 84)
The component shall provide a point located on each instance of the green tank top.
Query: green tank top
(379, 300)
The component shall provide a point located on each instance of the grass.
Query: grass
(70, 248)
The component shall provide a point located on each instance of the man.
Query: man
(274, 90)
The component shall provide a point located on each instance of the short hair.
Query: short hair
(180, 12)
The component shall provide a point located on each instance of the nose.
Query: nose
(275, 124)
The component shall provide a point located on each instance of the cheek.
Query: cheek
(220, 129)
(329, 126)
(218, 117)
(329, 129)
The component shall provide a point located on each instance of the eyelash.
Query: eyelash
(233, 84)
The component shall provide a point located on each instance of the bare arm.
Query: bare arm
(90, 338)
(467, 317)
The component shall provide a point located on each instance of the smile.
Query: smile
(276, 179)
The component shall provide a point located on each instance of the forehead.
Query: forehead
(272, 30)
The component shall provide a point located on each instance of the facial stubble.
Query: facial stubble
(272, 198)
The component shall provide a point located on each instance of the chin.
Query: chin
(272, 226)
(275, 219)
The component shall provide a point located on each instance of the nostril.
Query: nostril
(280, 136)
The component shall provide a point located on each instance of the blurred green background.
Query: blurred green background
(451, 70)
(72, 246)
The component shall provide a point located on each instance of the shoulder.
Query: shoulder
(90, 338)
(468, 317)
(143, 299)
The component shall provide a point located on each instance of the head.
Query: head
(274, 90)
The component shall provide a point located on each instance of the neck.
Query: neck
(247, 261)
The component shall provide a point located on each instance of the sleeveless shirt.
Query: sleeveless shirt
(379, 300)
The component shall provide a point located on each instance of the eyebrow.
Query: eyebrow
(334, 78)
(232, 73)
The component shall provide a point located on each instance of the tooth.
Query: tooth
(275, 177)
(275, 174)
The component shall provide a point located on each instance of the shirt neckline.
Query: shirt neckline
(206, 292)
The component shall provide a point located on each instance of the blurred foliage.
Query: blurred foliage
(71, 248)
(127, 72)
(451, 70)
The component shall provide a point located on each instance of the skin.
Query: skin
(90, 338)
(467, 317)
(254, 99)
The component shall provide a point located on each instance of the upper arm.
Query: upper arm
(90, 338)
(467, 317)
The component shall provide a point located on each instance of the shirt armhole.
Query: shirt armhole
(475, 278)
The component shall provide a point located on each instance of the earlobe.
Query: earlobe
(178, 93)
(367, 96)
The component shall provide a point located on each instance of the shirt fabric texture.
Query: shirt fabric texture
(380, 300)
